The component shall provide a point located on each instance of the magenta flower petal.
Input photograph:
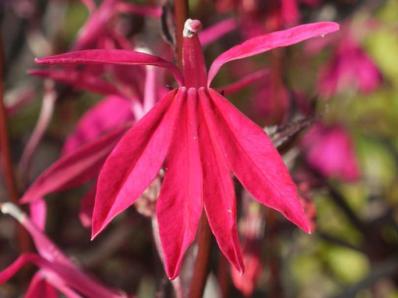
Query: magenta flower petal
(244, 82)
(219, 194)
(143, 10)
(263, 43)
(39, 287)
(97, 121)
(135, 161)
(215, 32)
(58, 269)
(21, 261)
(256, 163)
(179, 206)
(38, 213)
(75, 168)
(96, 25)
(78, 79)
(118, 57)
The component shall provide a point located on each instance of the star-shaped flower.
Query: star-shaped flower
(201, 140)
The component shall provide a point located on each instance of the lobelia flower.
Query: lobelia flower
(126, 98)
(57, 272)
(201, 140)
(330, 150)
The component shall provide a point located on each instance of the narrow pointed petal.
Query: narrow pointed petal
(135, 161)
(118, 57)
(38, 213)
(74, 169)
(97, 121)
(78, 79)
(244, 82)
(215, 32)
(179, 206)
(52, 259)
(218, 189)
(256, 163)
(263, 43)
(21, 261)
(143, 10)
(39, 287)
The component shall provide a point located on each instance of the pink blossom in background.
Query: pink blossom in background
(271, 100)
(350, 67)
(251, 228)
(258, 17)
(202, 140)
(57, 273)
(100, 28)
(330, 150)
(110, 112)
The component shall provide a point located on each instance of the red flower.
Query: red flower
(201, 140)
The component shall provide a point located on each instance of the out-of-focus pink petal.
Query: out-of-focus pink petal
(75, 168)
(218, 193)
(244, 82)
(39, 287)
(90, 4)
(215, 32)
(77, 78)
(289, 11)
(109, 113)
(331, 151)
(86, 208)
(179, 206)
(263, 43)
(21, 261)
(118, 57)
(135, 161)
(96, 25)
(246, 282)
(46, 113)
(143, 10)
(38, 213)
(56, 266)
(256, 163)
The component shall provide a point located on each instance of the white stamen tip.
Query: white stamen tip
(13, 210)
(191, 27)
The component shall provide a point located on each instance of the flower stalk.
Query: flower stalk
(180, 15)
(6, 161)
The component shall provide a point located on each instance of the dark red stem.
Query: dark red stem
(6, 161)
(180, 15)
(201, 268)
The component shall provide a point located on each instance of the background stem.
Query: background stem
(6, 161)
(180, 15)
